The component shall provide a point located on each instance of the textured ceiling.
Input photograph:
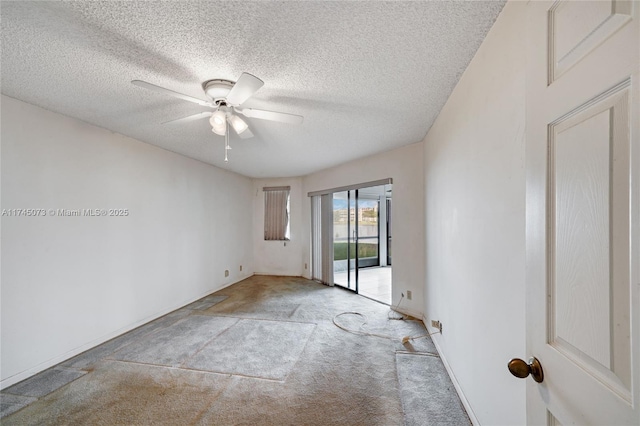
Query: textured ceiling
(367, 76)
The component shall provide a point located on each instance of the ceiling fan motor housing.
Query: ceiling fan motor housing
(217, 89)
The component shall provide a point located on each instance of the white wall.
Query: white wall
(69, 283)
(475, 219)
(405, 166)
(279, 257)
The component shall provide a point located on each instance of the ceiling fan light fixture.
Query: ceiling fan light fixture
(238, 124)
(224, 98)
(218, 122)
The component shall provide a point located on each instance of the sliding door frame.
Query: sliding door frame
(327, 195)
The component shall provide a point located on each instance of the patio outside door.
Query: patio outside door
(345, 239)
(356, 233)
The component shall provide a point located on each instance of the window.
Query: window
(276, 213)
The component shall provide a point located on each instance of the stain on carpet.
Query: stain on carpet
(118, 393)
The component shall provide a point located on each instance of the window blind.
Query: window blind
(276, 213)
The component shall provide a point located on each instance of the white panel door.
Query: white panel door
(583, 212)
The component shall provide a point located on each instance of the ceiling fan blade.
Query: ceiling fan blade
(159, 89)
(246, 134)
(246, 86)
(272, 115)
(193, 117)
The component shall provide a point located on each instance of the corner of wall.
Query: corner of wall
(279, 257)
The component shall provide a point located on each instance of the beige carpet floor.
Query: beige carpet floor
(264, 351)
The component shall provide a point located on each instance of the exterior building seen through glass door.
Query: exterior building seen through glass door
(360, 241)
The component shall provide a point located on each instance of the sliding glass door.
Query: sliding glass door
(351, 238)
(368, 229)
(388, 231)
(356, 234)
(345, 240)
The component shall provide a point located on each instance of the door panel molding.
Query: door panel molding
(596, 22)
(588, 282)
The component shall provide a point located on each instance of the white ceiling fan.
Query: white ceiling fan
(225, 99)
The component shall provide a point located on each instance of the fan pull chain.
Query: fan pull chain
(226, 142)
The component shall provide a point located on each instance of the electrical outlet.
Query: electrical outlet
(305, 266)
(226, 272)
(408, 294)
(240, 268)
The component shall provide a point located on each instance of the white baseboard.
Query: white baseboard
(274, 274)
(405, 311)
(456, 385)
(9, 381)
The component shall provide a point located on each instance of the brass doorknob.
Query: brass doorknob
(522, 369)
